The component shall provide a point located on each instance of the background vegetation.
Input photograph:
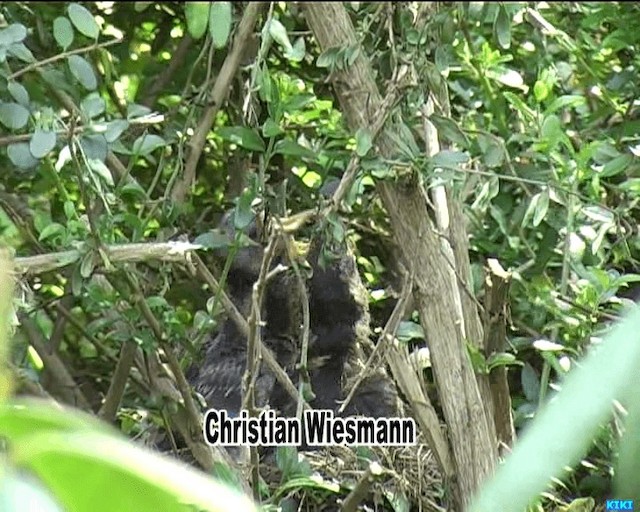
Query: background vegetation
(127, 123)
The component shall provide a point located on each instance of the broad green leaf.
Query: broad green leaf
(145, 481)
(83, 72)
(297, 52)
(63, 32)
(51, 230)
(292, 148)
(18, 93)
(13, 115)
(21, 156)
(327, 59)
(147, 144)
(83, 20)
(220, 23)
(408, 331)
(364, 141)
(197, 14)
(243, 136)
(135, 111)
(616, 166)
(42, 142)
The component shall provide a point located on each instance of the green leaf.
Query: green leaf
(115, 129)
(493, 152)
(51, 230)
(83, 20)
(271, 128)
(20, 51)
(93, 105)
(364, 142)
(220, 23)
(450, 130)
(19, 93)
(279, 33)
(447, 158)
(83, 72)
(243, 137)
(212, 240)
(63, 32)
(327, 59)
(502, 27)
(148, 143)
(408, 331)
(541, 208)
(292, 148)
(13, 115)
(42, 143)
(197, 14)
(530, 383)
(21, 156)
(297, 51)
(14, 33)
(102, 171)
(94, 146)
(616, 166)
(541, 91)
(87, 265)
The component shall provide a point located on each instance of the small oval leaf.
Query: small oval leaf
(20, 156)
(220, 23)
(13, 115)
(19, 93)
(42, 142)
(63, 32)
(197, 14)
(83, 72)
(83, 20)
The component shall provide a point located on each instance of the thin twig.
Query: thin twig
(62, 55)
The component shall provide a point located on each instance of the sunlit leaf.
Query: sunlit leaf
(42, 142)
(220, 23)
(83, 20)
(197, 14)
(63, 32)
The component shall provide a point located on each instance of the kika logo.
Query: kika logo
(619, 504)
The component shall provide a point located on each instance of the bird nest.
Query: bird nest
(367, 478)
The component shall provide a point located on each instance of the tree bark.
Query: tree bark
(474, 448)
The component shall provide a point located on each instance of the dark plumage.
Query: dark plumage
(339, 318)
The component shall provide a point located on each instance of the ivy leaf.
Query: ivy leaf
(220, 23)
(197, 14)
(42, 142)
(63, 32)
(83, 20)
(83, 72)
